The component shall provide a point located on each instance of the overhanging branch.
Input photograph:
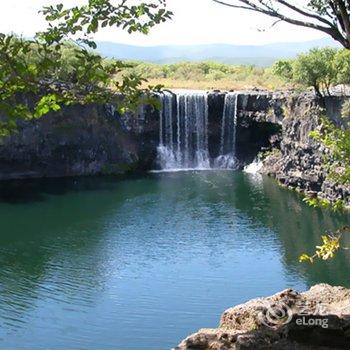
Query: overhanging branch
(339, 30)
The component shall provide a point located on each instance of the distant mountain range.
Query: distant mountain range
(260, 55)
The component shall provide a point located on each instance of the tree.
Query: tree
(342, 66)
(337, 140)
(338, 143)
(328, 16)
(37, 76)
(316, 69)
(283, 69)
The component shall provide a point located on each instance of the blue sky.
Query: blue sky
(195, 22)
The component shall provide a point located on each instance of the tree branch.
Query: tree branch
(345, 17)
(330, 28)
(306, 14)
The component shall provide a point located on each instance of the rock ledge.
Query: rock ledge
(316, 319)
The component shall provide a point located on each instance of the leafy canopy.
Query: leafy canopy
(58, 67)
(320, 68)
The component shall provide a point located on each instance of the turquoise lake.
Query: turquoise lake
(141, 263)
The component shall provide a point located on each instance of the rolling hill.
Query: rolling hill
(260, 55)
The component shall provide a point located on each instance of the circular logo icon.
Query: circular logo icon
(275, 315)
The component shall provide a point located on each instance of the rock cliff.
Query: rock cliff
(78, 140)
(89, 140)
(92, 139)
(298, 162)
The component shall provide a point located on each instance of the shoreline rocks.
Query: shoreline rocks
(316, 319)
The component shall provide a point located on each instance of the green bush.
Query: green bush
(319, 68)
(283, 69)
(316, 69)
(342, 66)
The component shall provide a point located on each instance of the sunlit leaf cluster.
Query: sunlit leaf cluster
(329, 247)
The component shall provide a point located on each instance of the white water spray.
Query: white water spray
(254, 167)
(183, 134)
(227, 158)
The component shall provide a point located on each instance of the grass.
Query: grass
(222, 84)
(207, 76)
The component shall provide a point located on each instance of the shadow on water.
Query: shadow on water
(36, 190)
(56, 225)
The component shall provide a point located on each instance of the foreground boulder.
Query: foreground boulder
(316, 319)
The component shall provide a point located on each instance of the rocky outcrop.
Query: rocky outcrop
(78, 140)
(298, 162)
(316, 319)
(258, 120)
(91, 140)
(259, 124)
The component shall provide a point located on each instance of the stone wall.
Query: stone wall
(298, 162)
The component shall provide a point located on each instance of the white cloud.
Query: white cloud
(195, 22)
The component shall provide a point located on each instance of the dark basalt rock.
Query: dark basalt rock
(215, 111)
(79, 140)
(258, 123)
(298, 161)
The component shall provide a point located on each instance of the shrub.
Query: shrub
(283, 69)
(342, 66)
(316, 69)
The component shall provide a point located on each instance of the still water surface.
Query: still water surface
(138, 264)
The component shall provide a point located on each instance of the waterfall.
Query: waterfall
(227, 158)
(183, 132)
(183, 135)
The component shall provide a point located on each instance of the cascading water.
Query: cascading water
(227, 158)
(183, 133)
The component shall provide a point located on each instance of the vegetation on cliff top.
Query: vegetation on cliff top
(321, 68)
(207, 75)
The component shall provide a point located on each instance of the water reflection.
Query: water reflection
(83, 261)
